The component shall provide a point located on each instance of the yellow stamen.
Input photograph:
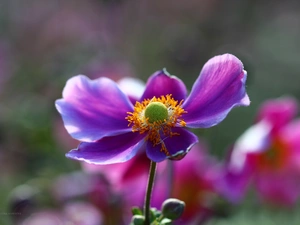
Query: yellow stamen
(157, 116)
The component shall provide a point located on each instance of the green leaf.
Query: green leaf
(136, 211)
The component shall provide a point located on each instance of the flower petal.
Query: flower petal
(92, 109)
(219, 88)
(278, 112)
(162, 83)
(281, 188)
(108, 150)
(84, 213)
(234, 184)
(132, 87)
(255, 139)
(177, 146)
(290, 135)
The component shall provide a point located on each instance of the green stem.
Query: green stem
(149, 191)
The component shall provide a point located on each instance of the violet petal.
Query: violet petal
(162, 83)
(108, 150)
(92, 109)
(219, 88)
(177, 146)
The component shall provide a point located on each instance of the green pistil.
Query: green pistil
(156, 111)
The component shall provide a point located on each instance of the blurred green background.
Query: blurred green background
(45, 42)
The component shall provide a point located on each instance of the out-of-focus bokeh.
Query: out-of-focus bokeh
(43, 43)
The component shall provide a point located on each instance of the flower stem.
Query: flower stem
(149, 191)
(170, 177)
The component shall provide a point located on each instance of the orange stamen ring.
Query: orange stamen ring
(157, 124)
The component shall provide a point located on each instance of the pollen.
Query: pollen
(157, 117)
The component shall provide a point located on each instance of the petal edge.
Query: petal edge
(108, 150)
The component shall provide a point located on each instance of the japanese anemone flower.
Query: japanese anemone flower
(112, 129)
(267, 155)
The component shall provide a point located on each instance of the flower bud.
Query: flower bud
(172, 208)
(137, 220)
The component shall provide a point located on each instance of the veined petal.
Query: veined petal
(162, 83)
(177, 146)
(92, 109)
(219, 88)
(108, 150)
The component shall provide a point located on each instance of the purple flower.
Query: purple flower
(112, 129)
(268, 155)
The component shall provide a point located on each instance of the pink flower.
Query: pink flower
(76, 213)
(124, 182)
(195, 180)
(268, 155)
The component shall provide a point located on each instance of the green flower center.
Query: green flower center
(156, 111)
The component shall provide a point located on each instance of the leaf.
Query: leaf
(136, 211)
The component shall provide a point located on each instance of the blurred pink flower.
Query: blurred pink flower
(82, 213)
(75, 213)
(195, 180)
(124, 182)
(95, 188)
(268, 155)
(195, 183)
(46, 217)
